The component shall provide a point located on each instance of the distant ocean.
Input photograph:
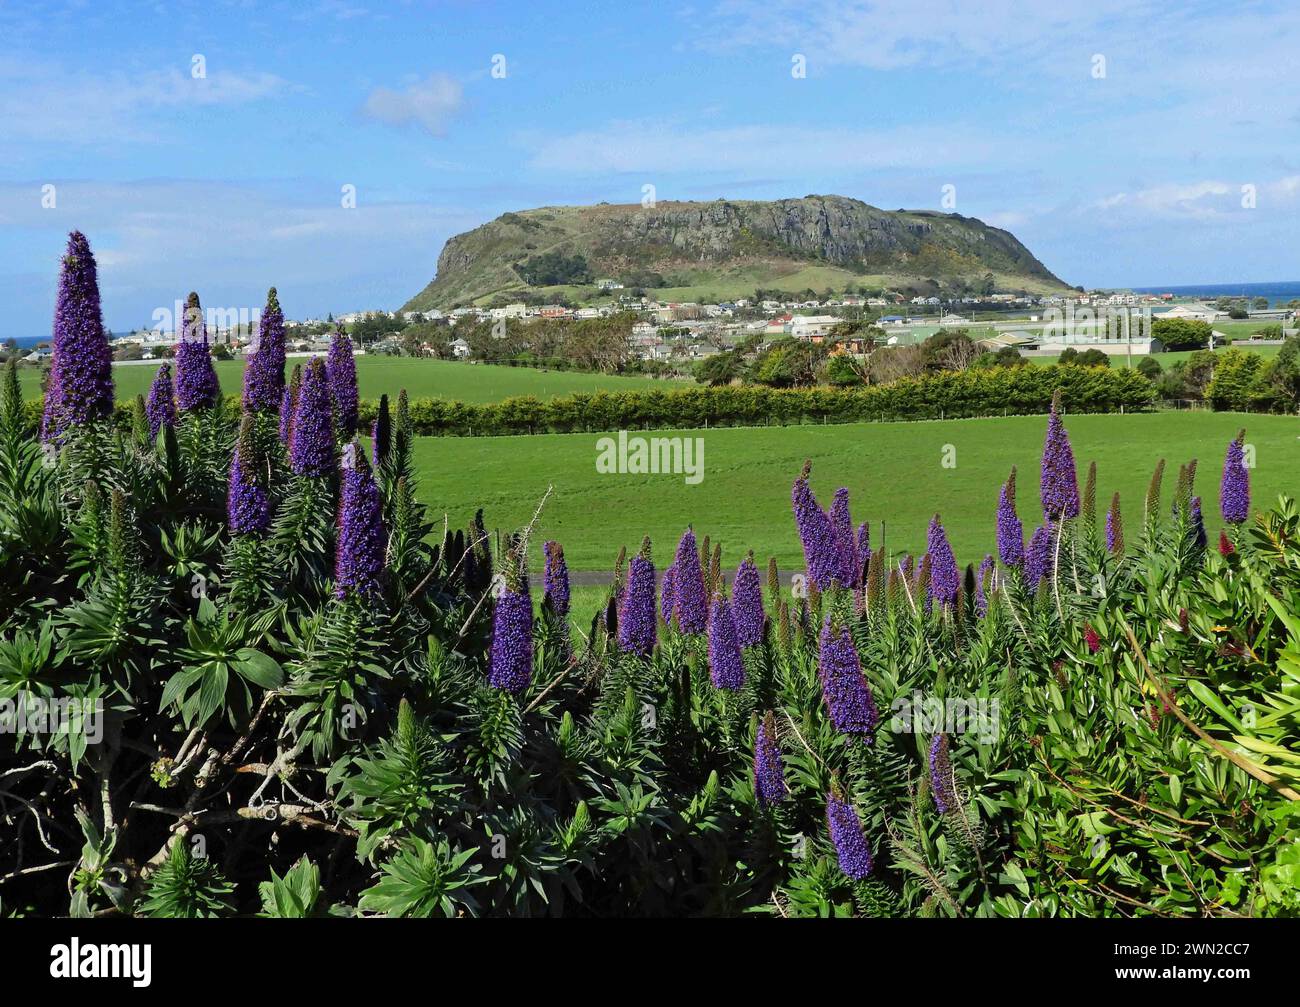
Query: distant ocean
(33, 340)
(1277, 293)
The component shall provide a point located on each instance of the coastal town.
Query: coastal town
(682, 331)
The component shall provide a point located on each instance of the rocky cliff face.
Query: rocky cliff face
(675, 237)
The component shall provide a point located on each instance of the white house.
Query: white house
(459, 349)
(808, 326)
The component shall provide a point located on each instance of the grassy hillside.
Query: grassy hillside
(892, 470)
(725, 248)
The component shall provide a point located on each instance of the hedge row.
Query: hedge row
(949, 395)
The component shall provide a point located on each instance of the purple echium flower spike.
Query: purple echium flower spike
(160, 406)
(726, 666)
(363, 540)
(80, 388)
(941, 782)
(864, 552)
(845, 547)
(1059, 483)
(555, 579)
(1199, 537)
(311, 441)
(815, 533)
(289, 405)
(1038, 557)
(846, 835)
(511, 659)
(248, 507)
(341, 369)
(747, 603)
(1234, 489)
(769, 772)
(264, 376)
(689, 603)
(636, 618)
(844, 687)
(197, 387)
(668, 594)
(381, 433)
(1011, 534)
(985, 584)
(943, 567)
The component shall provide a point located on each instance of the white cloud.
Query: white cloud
(47, 103)
(1206, 201)
(430, 104)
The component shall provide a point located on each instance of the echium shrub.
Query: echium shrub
(299, 663)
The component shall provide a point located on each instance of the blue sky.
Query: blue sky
(1127, 173)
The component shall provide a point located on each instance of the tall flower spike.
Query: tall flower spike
(511, 662)
(815, 533)
(1153, 494)
(747, 603)
(341, 368)
(985, 584)
(846, 547)
(363, 540)
(846, 835)
(941, 782)
(1197, 522)
(876, 579)
(1038, 558)
(311, 443)
(197, 387)
(689, 603)
(637, 626)
(864, 553)
(264, 376)
(1011, 534)
(726, 666)
(1059, 484)
(80, 389)
(1234, 489)
(668, 594)
(1115, 529)
(248, 507)
(1090, 500)
(555, 579)
(381, 433)
(160, 407)
(769, 772)
(943, 566)
(844, 687)
(289, 404)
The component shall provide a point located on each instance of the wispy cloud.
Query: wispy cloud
(429, 104)
(46, 102)
(1206, 201)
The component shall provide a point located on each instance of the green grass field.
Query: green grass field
(421, 378)
(893, 470)
(1167, 360)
